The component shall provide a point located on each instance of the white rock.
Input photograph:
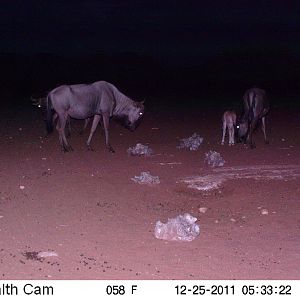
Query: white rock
(203, 210)
(47, 254)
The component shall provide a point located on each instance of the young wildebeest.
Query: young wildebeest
(256, 106)
(42, 104)
(99, 99)
(229, 121)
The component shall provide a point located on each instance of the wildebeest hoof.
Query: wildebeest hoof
(111, 149)
(89, 148)
(267, 142)
(252, 146)
(222, 143)
(67, 148)
(64, 149)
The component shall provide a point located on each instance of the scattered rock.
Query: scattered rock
(140, 150)
(203, 210)
(193, 142)
(181, 228)
(264, 212)
(146, 178)
(214, 159)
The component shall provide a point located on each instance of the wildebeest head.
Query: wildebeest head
(134, 114)
(242, 130)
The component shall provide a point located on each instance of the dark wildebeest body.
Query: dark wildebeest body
(256, 107)
(99, 99)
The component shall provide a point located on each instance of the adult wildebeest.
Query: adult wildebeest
(99, 99)
(256, 106)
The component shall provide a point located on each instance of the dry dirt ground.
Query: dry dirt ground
(84, 206)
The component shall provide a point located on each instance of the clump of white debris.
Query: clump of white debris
(139, 150)
(181, 228)
(44, 254)
(146, 178)
(193, 142)
(214, 159)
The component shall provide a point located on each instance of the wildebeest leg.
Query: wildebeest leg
(231, 134)
(61, 124)
(105, 118)
(224, 133)
(251, 129)
(68, 130)
(55, 116)
(263, 120)
(94, 126)
(86, 122)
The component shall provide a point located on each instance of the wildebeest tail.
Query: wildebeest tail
(49, 119)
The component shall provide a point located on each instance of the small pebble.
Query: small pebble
(203, 210)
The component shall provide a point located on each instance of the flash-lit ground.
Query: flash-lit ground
(85, 207)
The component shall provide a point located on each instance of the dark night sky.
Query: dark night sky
(186, 32)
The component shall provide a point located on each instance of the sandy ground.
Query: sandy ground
(85, 207)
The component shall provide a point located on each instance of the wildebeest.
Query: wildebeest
(99, 100)
(256, 107)
(229, 121)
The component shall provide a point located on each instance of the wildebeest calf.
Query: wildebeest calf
(229, 122)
